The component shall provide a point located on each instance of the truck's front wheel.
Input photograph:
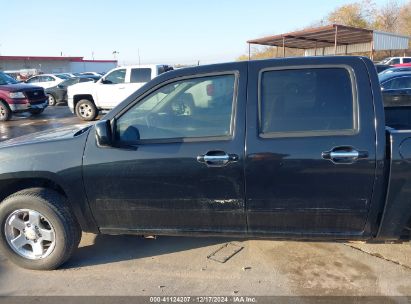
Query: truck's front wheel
(5, 112)
(86, 110)
(37, 230)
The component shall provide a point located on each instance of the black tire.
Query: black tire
(52, 206)
(86, 110)
(36, 111)
(5, 112)
(52, 99)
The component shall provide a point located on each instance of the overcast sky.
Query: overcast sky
(173, 31)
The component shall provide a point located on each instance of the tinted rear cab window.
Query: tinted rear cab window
(140, 75)
(307, 100)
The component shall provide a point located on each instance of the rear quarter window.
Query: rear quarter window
(307, 101)
(140, 75)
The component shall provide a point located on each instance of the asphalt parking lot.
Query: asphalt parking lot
(132, 265)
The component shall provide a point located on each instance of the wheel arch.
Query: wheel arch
(12, 184)
(78, 97)
(6, 103)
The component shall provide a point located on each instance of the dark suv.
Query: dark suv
(18, 97)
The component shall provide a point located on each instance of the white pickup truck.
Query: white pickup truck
(88, 98)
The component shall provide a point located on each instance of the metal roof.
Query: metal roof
(318, 37)
(332, 36)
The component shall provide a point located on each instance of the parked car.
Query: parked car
(65, 75)
(58, 93)
(262, 148)
(403, 65)
(18, 97)
(91, 74)
(395, 60)
(45, 80)
(87, 99)
(382, 67)
(396, 89)
(396, 70)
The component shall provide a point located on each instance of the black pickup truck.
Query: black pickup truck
(294, 148)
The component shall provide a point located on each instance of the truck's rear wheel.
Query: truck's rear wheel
(5, 112)
(37, 230)
(86, 110)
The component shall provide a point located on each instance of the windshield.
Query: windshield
(69, 82)
(62, 76)
(6, 79)
(385, 61)
(384, 77)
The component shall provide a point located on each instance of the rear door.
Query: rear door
(310, 160)
(137, 78)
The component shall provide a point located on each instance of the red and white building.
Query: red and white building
(60, 64)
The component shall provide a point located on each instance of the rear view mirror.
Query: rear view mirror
(103, 133)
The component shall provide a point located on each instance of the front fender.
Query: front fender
(58, 161)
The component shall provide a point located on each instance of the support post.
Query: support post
(249, 51)
(315, 52)
(283, 46)
(372, 47)
(336, 40)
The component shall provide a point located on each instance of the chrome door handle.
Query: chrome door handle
(217, 158)
(344, 155)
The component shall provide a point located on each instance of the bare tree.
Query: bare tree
(388, 17)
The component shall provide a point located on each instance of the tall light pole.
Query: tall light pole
(115, 53)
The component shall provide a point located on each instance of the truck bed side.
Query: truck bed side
(396, 219)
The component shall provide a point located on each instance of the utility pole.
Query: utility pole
(138, 53)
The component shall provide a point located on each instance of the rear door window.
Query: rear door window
(313, 100)
(140, 75)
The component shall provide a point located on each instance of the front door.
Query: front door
(310, 162)
(112, 89)
(178, 164)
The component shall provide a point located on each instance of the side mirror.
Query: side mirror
(103, 133)
(104, 81)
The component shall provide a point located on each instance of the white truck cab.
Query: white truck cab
(396, 60)
(88, 98)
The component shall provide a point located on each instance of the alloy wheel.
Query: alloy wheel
(30, 234)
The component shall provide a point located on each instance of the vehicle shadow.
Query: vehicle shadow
(109, 249)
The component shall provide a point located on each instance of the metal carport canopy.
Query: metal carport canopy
(332, 36)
